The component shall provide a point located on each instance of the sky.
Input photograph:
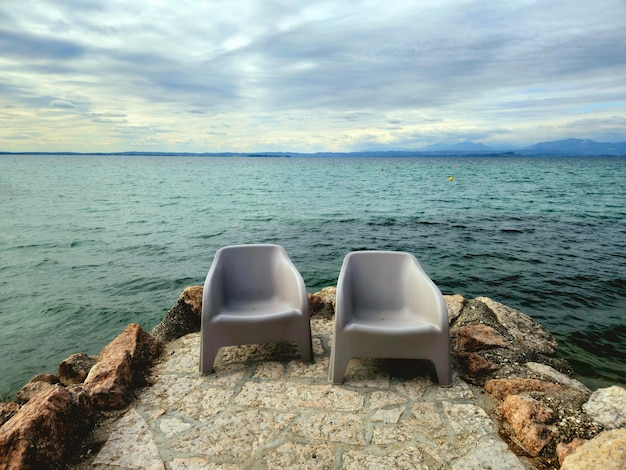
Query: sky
(308, 76)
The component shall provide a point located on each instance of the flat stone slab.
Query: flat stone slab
(263, 408)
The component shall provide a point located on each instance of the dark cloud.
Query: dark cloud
(27, 46)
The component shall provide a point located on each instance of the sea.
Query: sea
(89, 244)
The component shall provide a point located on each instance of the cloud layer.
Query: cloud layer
(308, 76)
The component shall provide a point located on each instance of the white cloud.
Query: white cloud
(331, 75)
(61, 104)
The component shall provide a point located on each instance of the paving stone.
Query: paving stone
(388, 416)
(489, 453)
(468, 420)
(302, 456)
(186, 395)
(458, 391)
(383, 434)
(317, 370)
(382, 399)
(322, 325)
(235, 435)
(257, 352)
(413, 389)
(405, 457)
(181, 355)
(172, 426)
(269, 370)
(332, 427)
(366, 373)
(426, 420)
(442, 451)
(130, 445)
(287, 395)
(318, 348)
(196, 463)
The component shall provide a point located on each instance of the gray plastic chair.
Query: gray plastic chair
(388, 307)
(253, 294)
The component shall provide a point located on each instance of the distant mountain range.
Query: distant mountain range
(556, 147)
(566, 147)
(460, 147)
(577, 147)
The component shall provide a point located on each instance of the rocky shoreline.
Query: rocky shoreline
(545, 416)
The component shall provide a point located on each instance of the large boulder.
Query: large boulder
(454, 305)
(42, 432)
(502, 388)
(527, 332)
(75, 368)
(607, 406)
(529, 419)
(7, 411)
(121, 366)
(183, 318)
(323, 302)
(36, 385)
(607, 451)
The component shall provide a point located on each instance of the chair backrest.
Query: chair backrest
(378, 279)
(249, 272)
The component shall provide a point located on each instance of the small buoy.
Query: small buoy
(451, 178)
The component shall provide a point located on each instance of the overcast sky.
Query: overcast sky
(306, 75)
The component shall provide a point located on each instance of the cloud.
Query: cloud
(61, 104)
(330, 75)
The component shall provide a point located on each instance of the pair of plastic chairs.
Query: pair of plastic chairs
(386, 307)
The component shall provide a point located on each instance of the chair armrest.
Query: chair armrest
(290, 285)
(344, 300)
(213, 292)
(426, 298)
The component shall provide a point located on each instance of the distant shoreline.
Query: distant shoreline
(382, 154)
(555, 148)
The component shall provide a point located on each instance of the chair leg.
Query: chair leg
(444, 374)
(208, 351)
(338, 365)
(306, 350)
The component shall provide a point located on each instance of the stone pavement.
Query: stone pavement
(263, 408)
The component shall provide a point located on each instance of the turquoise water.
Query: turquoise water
(89, 244)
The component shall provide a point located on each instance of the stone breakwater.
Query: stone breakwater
(502, 360)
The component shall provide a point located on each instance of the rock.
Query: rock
(473, 366)
(42, 432)
(557, 376)
(502, 388)
(476, 338)
(75, 368)
(183, 318)
(563, 450)
(122, 362)
(607, 406)
(475, 312)
(323, 302)
(527, 418)
(454, 304)
(7, 410)
(37, 384)
(524, 329)
(607, 451)
(46, 378)
(192, 296)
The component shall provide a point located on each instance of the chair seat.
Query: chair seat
(256, 311)
(391, 327)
